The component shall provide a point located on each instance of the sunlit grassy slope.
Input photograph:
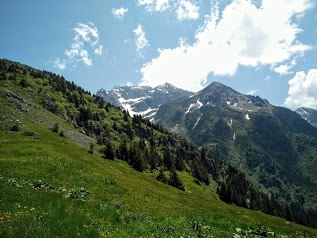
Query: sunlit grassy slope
(52, 187)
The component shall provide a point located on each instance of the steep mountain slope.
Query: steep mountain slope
(141, 100)
(113, 132)
(308, 114)
(273, 145)
(71, 164)
(51, 187)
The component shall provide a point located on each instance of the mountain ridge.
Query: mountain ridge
(250, 133)
(309, 114)
(142, 100)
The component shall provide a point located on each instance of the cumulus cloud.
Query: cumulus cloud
(184, 9)
(187, 10)
(285, 69)
(59, 63)
(85, 34)
(119, 13)
(303, 90)
(242, 35)
(155, 5)
(140, 39)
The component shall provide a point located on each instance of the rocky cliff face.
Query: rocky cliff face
(309, 114)
(142, 100)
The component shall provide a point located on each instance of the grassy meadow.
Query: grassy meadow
(52, 187)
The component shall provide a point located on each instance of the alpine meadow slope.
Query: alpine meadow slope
(73, 165)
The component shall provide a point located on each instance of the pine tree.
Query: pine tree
(179, 164)
(115, 127)
(23, 83)
(125, 115)
(154, 158)
(175, 181)
(168, 159)
(137, 158)
(3, 76)
(109, 151)
(129, 131)
(161, 176)
(55, 128)
(199, 172)
(223, 192)
(91, 148)
(100, 140)
(61, 133)
(122, 152)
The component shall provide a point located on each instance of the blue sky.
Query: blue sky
(266, 48)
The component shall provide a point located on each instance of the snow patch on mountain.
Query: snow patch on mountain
(197, 105)
(190, 107)
(200, 104)
(197, 121)
(308, 114)
(230, 123)
(141, 100)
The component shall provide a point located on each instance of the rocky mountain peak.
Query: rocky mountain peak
(220, 89)
(142, 100)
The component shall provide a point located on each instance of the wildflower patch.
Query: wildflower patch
(73, 193)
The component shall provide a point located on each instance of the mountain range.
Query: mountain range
(273, 145)
(145, 100)
(69, 156)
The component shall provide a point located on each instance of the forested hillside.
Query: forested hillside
(144, 145)
(54, 130)
(272, 146)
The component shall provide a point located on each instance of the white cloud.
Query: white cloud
(140, 39)
(59, 63)
(267, 79)
(244, 35)
(184, 9)
(129, 84)
(187, 10)
(303, 90)
(98, 50)
(155, 5)
(285, 69)
(253, 92)
(119, 13)
(85, 34)
(145, 2)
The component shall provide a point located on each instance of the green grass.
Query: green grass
(122, 202)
